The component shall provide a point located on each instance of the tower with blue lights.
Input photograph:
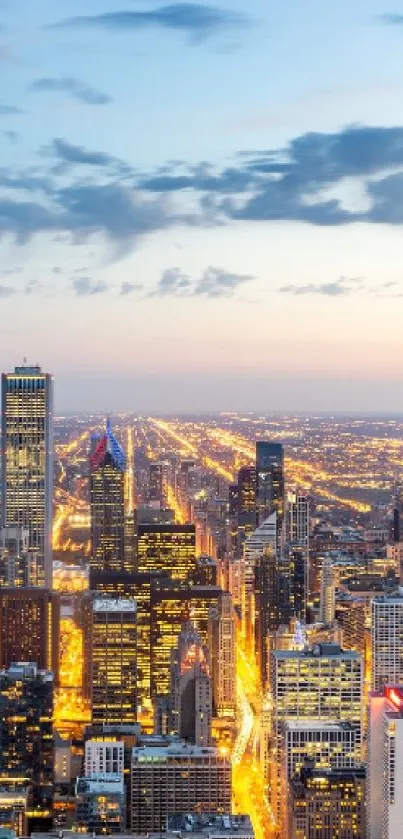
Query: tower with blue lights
(107, 486)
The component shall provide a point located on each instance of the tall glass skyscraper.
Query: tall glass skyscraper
(27, 448)
(269, 481)
(107, 482)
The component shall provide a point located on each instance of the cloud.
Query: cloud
(339, 288)
(128, 288)
(392, 19)
(11, 136)
(9, 110)
(7, 291)
(33, 287)
(195, 19)
(218, 283)
(78, 155)
(73, 87)
(172, 281)
(84, 287)
(214, 282)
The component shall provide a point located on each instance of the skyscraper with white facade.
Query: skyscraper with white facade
(27, 447)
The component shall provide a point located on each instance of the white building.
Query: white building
(385, 764)
(387, 640)
(327, 592)
(103, 756)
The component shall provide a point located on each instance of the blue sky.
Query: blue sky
(201, 204)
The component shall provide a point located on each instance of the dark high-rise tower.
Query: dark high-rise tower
(269, 481)
(26, 460)
(107, 479)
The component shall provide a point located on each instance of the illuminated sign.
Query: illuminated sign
(395, 696)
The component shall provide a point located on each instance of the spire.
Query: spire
(108, 444)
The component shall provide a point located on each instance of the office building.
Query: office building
(172, 604)
(221, 643)
(103, 756)
(107, 504)
(206, 572)
(18, 565)
(26, 461)
(270, 481)
(297, 516)
(327, 803)
(262, 538)
(26, 736)
(175, 777)
(327, 591)
(387, 640)
(271, 603)
(191, 692)
(113, 662)
(14, 805)
(246, 505)
(168, 548)
(100, 804)
(296, 557)
(324, 745)
(385, 763)
(30, 627)
(321, 684)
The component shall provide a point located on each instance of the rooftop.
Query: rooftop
(171, 750)
(317, 725)
(210, 823)
(109, 604)
(317, 651)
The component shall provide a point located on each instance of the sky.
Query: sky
(201, 204)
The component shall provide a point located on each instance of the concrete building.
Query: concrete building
(387, 640)
(30, 627)
(325, 745)
(191, 692)
(173, 777)
(103, 756)
(26, 460)
(221, 643)
(385, 764)
(113, 661)
(100, 804)
(322, 684)
(327, 803)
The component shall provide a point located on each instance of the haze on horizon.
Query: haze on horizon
(201, 203)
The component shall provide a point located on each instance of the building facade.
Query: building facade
(26, 460)
(113, 662)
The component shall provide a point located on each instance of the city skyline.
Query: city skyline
(201, 203)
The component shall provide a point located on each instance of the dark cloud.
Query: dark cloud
(73, 87)
(84, 287)
(6, 291)
(9, 110)
(387, 197)
(128, 288)
(218, 283)
(195, 19)
(78, 155)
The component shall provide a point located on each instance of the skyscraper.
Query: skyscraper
(387, 640)
(26, 737)
(27, 445)
(113, 661)
(321, 684)
(385, 763)
(107, 486)
(29, 627)
(191, 692)
(269, 481)
(168, 548)
(328, 802)
(221, 642)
